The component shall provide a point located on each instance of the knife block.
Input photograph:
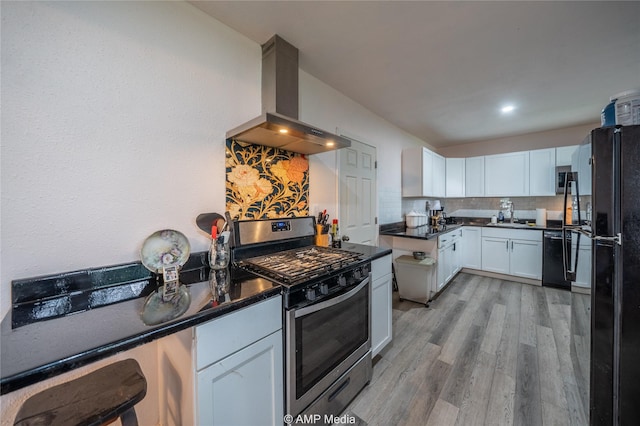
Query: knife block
(320, 238)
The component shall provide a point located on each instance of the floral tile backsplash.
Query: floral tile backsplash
(265, 183)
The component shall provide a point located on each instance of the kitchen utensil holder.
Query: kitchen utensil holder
(321, 239)
(219, 254)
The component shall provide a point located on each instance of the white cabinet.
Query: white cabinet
(417, 166)
(474, 177)
(506, 174)
(449, 261)
(439, 175)
(525, 259)
(471, 247)
(381, 313)
(495, 254)
(513, 252)
(542, 170)
(564, 153)
(456, 264)
(455, 168)
(423, 173)
(238, 361)
(581, 163)
(252, 375)
(443, 268)
(583, 269)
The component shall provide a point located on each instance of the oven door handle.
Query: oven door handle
(334, 301)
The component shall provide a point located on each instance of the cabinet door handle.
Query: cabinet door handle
(512, 245)
(507, 244)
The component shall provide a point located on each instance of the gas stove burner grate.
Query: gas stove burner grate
(295, 265)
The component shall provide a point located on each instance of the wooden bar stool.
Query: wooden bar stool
(98, 398)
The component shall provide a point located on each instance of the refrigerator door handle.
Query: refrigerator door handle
(569, 274)
(616, 238)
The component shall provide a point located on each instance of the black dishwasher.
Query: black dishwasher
(552, 266)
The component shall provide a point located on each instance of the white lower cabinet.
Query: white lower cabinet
(381, 314)
(472, 247)
(444, 268)
(583, 269)
(239, 367)
(526, 258)
(449, 260)
(251, 377)
(495, 254)
(515, 252)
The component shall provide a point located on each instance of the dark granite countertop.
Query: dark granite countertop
(426, 233)
(521, 224)
(44, 349)
(41, 350)
(372, 252)
(422, 232)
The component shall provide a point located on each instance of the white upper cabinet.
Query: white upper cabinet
(455, 177)
(542, 170)
(506, 174)
(564, 153)
(414, 179)
(439, 166)
(474, 177)
(514, 174)
(423, 173)
(581, 163)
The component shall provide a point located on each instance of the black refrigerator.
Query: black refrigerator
(602, 207)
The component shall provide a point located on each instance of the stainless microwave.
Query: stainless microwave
(561, 177)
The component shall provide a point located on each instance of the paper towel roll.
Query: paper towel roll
(541, 217)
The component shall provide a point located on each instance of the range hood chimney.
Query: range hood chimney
(278, 125)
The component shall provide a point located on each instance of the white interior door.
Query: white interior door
(358, 194)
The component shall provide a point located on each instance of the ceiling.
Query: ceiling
(442, 70)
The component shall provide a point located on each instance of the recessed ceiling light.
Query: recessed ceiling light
(284, 131)
(507, 109)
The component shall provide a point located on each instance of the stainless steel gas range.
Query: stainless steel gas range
(327, 311)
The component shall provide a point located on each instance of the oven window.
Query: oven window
(327, 337)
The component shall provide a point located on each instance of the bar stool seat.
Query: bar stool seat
(97, 398)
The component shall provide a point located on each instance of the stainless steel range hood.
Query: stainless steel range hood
(278, 126)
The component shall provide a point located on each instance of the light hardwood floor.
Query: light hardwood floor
(486, 352)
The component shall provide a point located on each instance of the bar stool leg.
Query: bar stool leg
(129, 418)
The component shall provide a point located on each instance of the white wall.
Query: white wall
(113, 126)
(325, 107)
(113, 123)
(573, 135)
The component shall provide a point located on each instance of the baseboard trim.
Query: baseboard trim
(503, 277)
(581, 290)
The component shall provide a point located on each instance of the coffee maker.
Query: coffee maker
(436, 214)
